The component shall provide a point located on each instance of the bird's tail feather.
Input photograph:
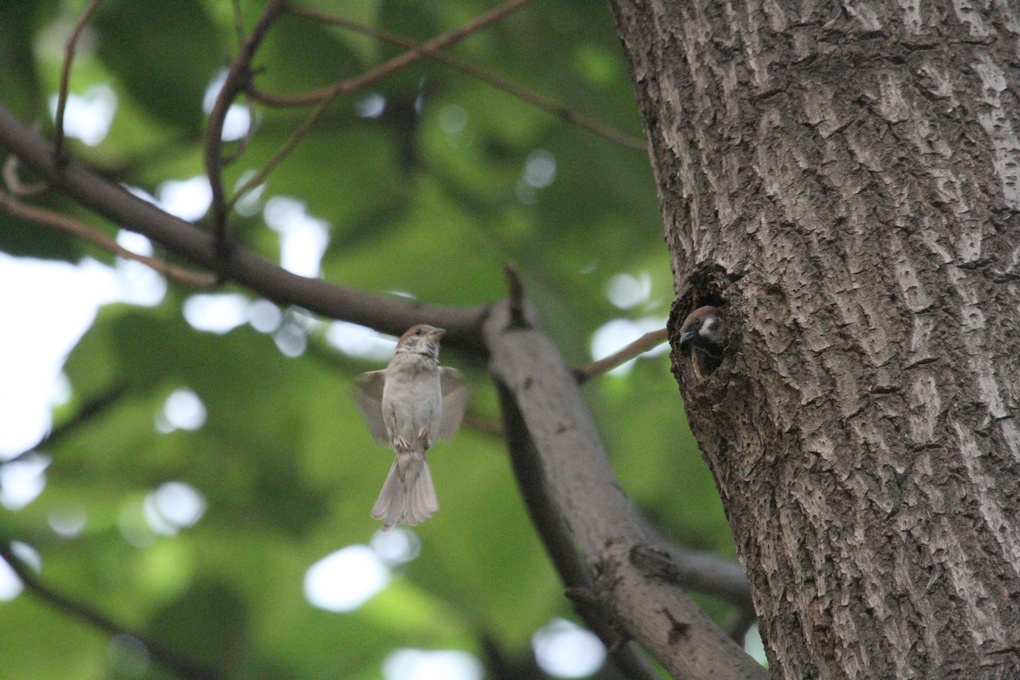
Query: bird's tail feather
(391, 498)
(408, 495)
(421, 500)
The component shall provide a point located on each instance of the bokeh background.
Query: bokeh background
(190, 463)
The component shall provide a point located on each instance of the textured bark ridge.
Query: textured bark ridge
(844, 181)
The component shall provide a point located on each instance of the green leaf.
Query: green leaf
(165, 54)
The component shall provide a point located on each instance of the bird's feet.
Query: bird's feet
(424, 439)
(401, 445)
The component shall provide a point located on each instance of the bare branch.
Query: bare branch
(322, 98)
(703, 572)
(14, 183)
(555, 533)
(389, 314)
(56, 220)
(91, 409)
(415, 53)
(236, 80)
(587, 523)
(65, 75)
(477, 73)
(639, 346)
(174, 661)
(295, 138)
(516, 298)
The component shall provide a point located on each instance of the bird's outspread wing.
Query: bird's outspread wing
(455, 396)
(369, 398)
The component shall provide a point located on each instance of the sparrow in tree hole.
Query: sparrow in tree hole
(704, 329)
(408, 405)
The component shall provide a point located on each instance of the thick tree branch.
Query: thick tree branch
(593, 532)
(556, 537)
(184, 667)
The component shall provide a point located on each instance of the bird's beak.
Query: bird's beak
(686, 337)
(437, 333)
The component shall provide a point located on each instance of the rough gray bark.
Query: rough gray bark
(844, 180)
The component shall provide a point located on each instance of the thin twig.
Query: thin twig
(515, 295)
(238, 22)
(249, 134)
(477, 73)
(171, 659)
(69, 224)
(345, 87)
(295, 137)
(90, 410)
(245, 141)
(65, 75)
(236, 80)
(14, 183)
(639, 346)
(413, 55)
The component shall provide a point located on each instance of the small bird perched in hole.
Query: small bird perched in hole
(408, 405)
(705, 330)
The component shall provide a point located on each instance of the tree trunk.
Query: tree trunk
(842, 179)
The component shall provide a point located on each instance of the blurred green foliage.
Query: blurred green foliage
(430, 203)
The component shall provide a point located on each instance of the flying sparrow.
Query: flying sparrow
(408, 405)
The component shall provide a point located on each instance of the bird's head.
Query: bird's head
(421, 339)
(705, 329)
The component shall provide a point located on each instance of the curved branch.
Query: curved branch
(323, 97)
(65, 75)
(646, 342)
(182, 666)
(388, 314)
(14, 183)
(594, 534)
(236, 80)
(414, 54)
(479, 74)
(62, 222)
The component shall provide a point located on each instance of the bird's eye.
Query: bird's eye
(418, 332)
